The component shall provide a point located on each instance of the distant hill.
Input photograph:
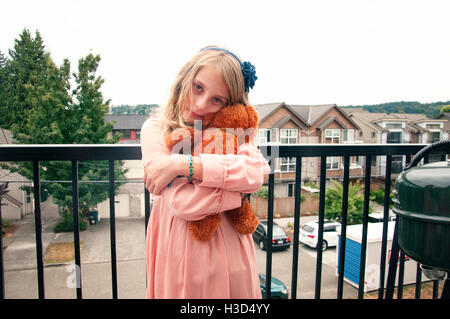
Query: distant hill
(140, 109)
(430, 109)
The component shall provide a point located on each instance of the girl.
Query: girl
(177, 265)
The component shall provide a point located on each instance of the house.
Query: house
(17, 202)
(306, 124)
(445, 116)
(128, 125)
(397, 128)
(129, 202)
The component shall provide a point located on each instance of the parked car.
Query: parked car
(279, 238)
(277, 289)
(309, 234)
(378, 217)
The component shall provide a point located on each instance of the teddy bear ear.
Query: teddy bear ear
(252, 117)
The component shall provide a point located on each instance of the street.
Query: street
(306, 278)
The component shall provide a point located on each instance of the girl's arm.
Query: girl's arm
(186, 200)
(189, 201)
(244, 172)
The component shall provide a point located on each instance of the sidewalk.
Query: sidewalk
(20, 259)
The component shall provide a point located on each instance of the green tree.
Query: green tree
(32, 82)
(53, 114)
(3, 78)
(333, 203)
(141, 109)
(445, 108)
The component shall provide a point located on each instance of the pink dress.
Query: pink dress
(178, 266)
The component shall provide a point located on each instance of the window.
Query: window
(373, 161)
(433, 126)
(356, 161)
(391, 126)
(394, 137)
(434, 158)
(264, 135)
(125, 134)
(349, 135)
(287, 164)
(290, 189)
(434, 137)
(332, 135)
(397, 164)
(288, 136)
(333, 162)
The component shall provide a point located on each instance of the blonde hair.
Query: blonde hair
(170, 115)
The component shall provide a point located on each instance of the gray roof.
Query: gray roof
(126, 121)
(264, 110)
(311, 113)
(308, 114)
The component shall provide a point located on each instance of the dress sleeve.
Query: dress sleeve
(189, 201)
(243, 172)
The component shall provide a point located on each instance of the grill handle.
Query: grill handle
(445, 144)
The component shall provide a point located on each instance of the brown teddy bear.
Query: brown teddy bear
(242, 124)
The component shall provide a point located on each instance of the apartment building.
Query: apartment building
(306, 124)
(382, 128)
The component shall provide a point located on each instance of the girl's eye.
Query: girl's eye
(218, 101)
(197, 87)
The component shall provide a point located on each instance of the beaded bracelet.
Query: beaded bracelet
(191, 169)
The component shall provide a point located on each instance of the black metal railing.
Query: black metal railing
(76, 153)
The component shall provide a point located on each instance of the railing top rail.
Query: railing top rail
(316, 150)
(67, 152)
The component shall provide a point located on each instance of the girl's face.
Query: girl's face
(209, 95)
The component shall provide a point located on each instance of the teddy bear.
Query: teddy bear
(222, 133)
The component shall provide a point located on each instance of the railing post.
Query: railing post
(298, 181)
(76, 227)
(343, 227)
(387, 200)
(2, 281)
(38, 229)
(112, 225)
(269, 236)
(323, 172)
(365, 221)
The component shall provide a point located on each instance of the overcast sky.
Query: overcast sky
(305, 52)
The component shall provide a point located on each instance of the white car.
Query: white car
(309, 234)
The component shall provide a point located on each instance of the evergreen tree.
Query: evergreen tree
(32, 82)
(3, 77)
(43, 110)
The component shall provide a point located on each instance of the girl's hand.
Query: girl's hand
(159, 173)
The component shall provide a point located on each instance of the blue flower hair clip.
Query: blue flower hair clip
(248, 69)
